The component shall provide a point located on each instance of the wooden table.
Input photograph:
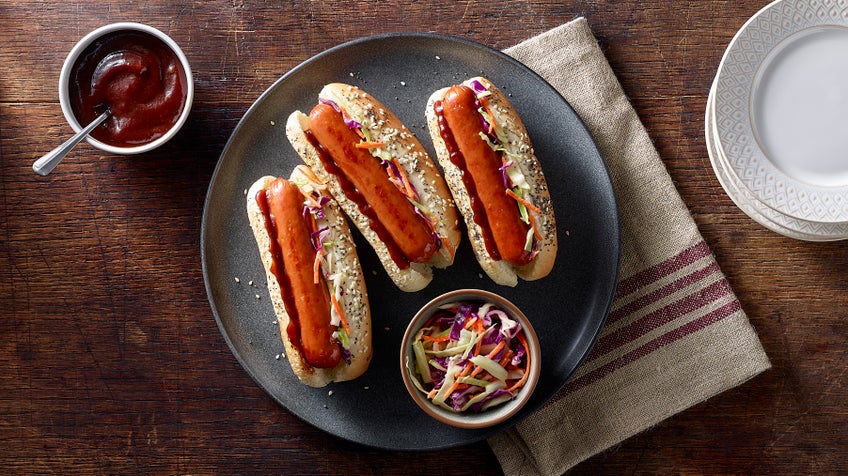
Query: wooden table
(111, 358)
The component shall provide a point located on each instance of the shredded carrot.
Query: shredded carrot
(523, 201)
(410, 190)
(477, 347)
(359, 132)
(497, 349)
(312, 201)
(506, 358)
(443, 338)
(521, 382)
(490, 355)
(493, 126)
(479, 328)
(453, 388)
(341, 313)
(312, 222)
(458, 376)
(470, 322)
(369, 145)
(316, 266)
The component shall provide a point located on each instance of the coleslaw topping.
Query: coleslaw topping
(326, 265)
(514, 180)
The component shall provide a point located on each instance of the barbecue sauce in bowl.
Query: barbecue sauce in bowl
(135, 75)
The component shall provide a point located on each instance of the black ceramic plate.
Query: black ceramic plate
(567, 308)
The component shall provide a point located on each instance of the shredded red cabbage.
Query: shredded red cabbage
(317, 212)
(477, 86)
(503, 168)
(437, 376)
(478, 407)
(493, 337)
(317, 237)
(519, 353)
(331, 103)
(346, 355)
(437, 240)
(460, 398)
(393, 171)
(457, 326)
(487, 128)
(462, 314)
(349, 121)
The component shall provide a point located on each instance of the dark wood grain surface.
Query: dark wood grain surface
(110, 358)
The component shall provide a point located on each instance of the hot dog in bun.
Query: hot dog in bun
(496, 180)
(314, 277)
(382, 178)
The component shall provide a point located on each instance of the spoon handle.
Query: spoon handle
(46, 164)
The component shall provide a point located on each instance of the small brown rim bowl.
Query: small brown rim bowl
(488, 417)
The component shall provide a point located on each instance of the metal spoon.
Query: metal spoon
(46, 164)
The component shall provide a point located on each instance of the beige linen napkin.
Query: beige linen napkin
(676, 334)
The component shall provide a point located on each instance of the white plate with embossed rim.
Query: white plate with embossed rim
(781, 108)
(751, 206)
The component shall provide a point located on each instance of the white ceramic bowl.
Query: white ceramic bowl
(80, 47)
(467, 419)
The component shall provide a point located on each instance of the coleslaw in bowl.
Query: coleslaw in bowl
(470, 358)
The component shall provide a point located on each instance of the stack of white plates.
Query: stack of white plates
(777, 119)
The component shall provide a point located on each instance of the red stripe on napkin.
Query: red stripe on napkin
(664, 315)
(663, 269)
(688, 306)
(672, 336)
(664, 291)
